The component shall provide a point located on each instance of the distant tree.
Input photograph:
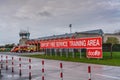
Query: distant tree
(9, 45)
(112, 41)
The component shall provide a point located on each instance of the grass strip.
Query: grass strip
(106, 60)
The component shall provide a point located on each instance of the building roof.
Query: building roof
(97, 31)
(57, 36)
(70, 35)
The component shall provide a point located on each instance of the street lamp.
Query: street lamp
(70, 28)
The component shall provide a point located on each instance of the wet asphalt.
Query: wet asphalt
(71, 70)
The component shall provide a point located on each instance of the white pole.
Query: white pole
(61, 71)
(61, 52)
(43, 70)
(50, 52)
(46, 51)
(0, 70)
(73, 53)
(1, 61)
(89, 72)
(55, 52)
(66, 52)
(80, 53)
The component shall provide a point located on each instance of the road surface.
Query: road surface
(71, 70)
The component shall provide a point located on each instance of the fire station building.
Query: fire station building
(24, 37)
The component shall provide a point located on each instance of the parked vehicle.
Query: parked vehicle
(30, 48)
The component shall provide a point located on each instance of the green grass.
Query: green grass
(106, 60)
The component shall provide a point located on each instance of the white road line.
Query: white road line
(108, 76)
(37, 78)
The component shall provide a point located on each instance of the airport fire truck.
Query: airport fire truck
(26, 48)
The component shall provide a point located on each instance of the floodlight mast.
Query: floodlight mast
(70, 28)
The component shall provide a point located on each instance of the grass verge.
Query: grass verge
(106, 60)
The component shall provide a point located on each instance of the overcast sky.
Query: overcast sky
(49, 17)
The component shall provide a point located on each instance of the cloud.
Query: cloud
(45, 13)
(48, 17)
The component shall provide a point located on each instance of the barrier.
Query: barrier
(60, 66)
(89, 72)
(61, 71)
(0, 70)
(30, 74)
(43, 70)
(20, 71)
(12, 64)
(1, 61)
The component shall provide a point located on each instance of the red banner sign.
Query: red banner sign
(94, 53)
(93, 45)
(85, 43)
(73, 43)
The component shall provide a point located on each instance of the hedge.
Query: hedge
(107, 47)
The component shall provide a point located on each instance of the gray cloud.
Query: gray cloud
(45, 13)
(48, 17)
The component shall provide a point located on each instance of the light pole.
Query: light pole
(70, 28)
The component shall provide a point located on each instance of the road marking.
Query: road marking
(37, 78)
(108, 76)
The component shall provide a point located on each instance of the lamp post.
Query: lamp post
(70, 28)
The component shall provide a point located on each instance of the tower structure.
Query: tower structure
(24, 36)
